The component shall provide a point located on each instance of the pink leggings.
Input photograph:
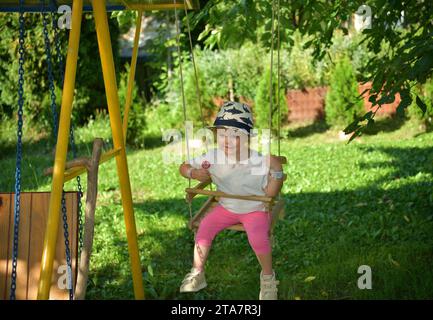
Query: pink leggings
(256, 225)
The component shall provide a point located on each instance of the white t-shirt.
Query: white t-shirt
(248, 177)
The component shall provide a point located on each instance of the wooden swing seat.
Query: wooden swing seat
(33, 219)
(273, 205)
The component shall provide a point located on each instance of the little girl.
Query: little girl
(235, 169)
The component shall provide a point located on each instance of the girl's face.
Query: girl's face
(231, 142)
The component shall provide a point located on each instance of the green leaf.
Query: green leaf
(309, 279)
(150, 270)
(406, 100)
(357, 133)
(421, 105)
(352, 127)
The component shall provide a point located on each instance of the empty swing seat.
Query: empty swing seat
(33, 219)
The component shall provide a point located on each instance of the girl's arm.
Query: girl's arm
(274, 186)
(199, 174)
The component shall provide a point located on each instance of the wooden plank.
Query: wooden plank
(201, 185)
(57, 293)
(76, 171)
(39, 220)
(5, 245)
(23, 245)
(226, 195)
(237, 227)
(33, 219)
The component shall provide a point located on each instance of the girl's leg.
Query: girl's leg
(257, 225)
(216, 221)
(265, 261)
(200, 256)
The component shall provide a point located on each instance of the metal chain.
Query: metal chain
(80, 196)
(68, 252)
(19, 153)
(50, 75)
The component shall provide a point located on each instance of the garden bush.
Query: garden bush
(89, 85)
(136, 119)
(425, 92)
(262, 101)
(342, 104)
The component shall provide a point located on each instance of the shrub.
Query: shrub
(89, 83)
(191, 96)
(161, 116)
(216, 70)
(341, 103)
(425, 92)
(297, 67)
(136, 119)
(261, 103)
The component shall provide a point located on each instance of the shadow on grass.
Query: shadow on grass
(153, 141)
(385, 124)
(405, 162)
(327, 234)
(324, 234)
(318, 126)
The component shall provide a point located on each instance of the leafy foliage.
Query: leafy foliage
(401, 47)
(422, 107)
(262, 102)
(136, 117)
(342, 102)
(89, 83)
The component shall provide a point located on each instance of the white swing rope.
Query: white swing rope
(198, 86)
(271, 102)
(184, 104)
(184, 115)
(183, 94)
(197, 82)
(278, 78)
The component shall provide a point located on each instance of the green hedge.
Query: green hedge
(262, 102)
(425, 93)
(342, 104)
(89, 93)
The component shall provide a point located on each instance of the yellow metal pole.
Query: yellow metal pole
(106, 54)
(132, 73)
(61, 151)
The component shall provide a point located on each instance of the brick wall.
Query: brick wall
(308, 104)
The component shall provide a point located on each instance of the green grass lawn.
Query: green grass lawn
(366, 203)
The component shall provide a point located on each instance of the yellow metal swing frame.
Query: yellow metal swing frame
(118, 127)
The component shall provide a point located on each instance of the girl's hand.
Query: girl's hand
(200, 174)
